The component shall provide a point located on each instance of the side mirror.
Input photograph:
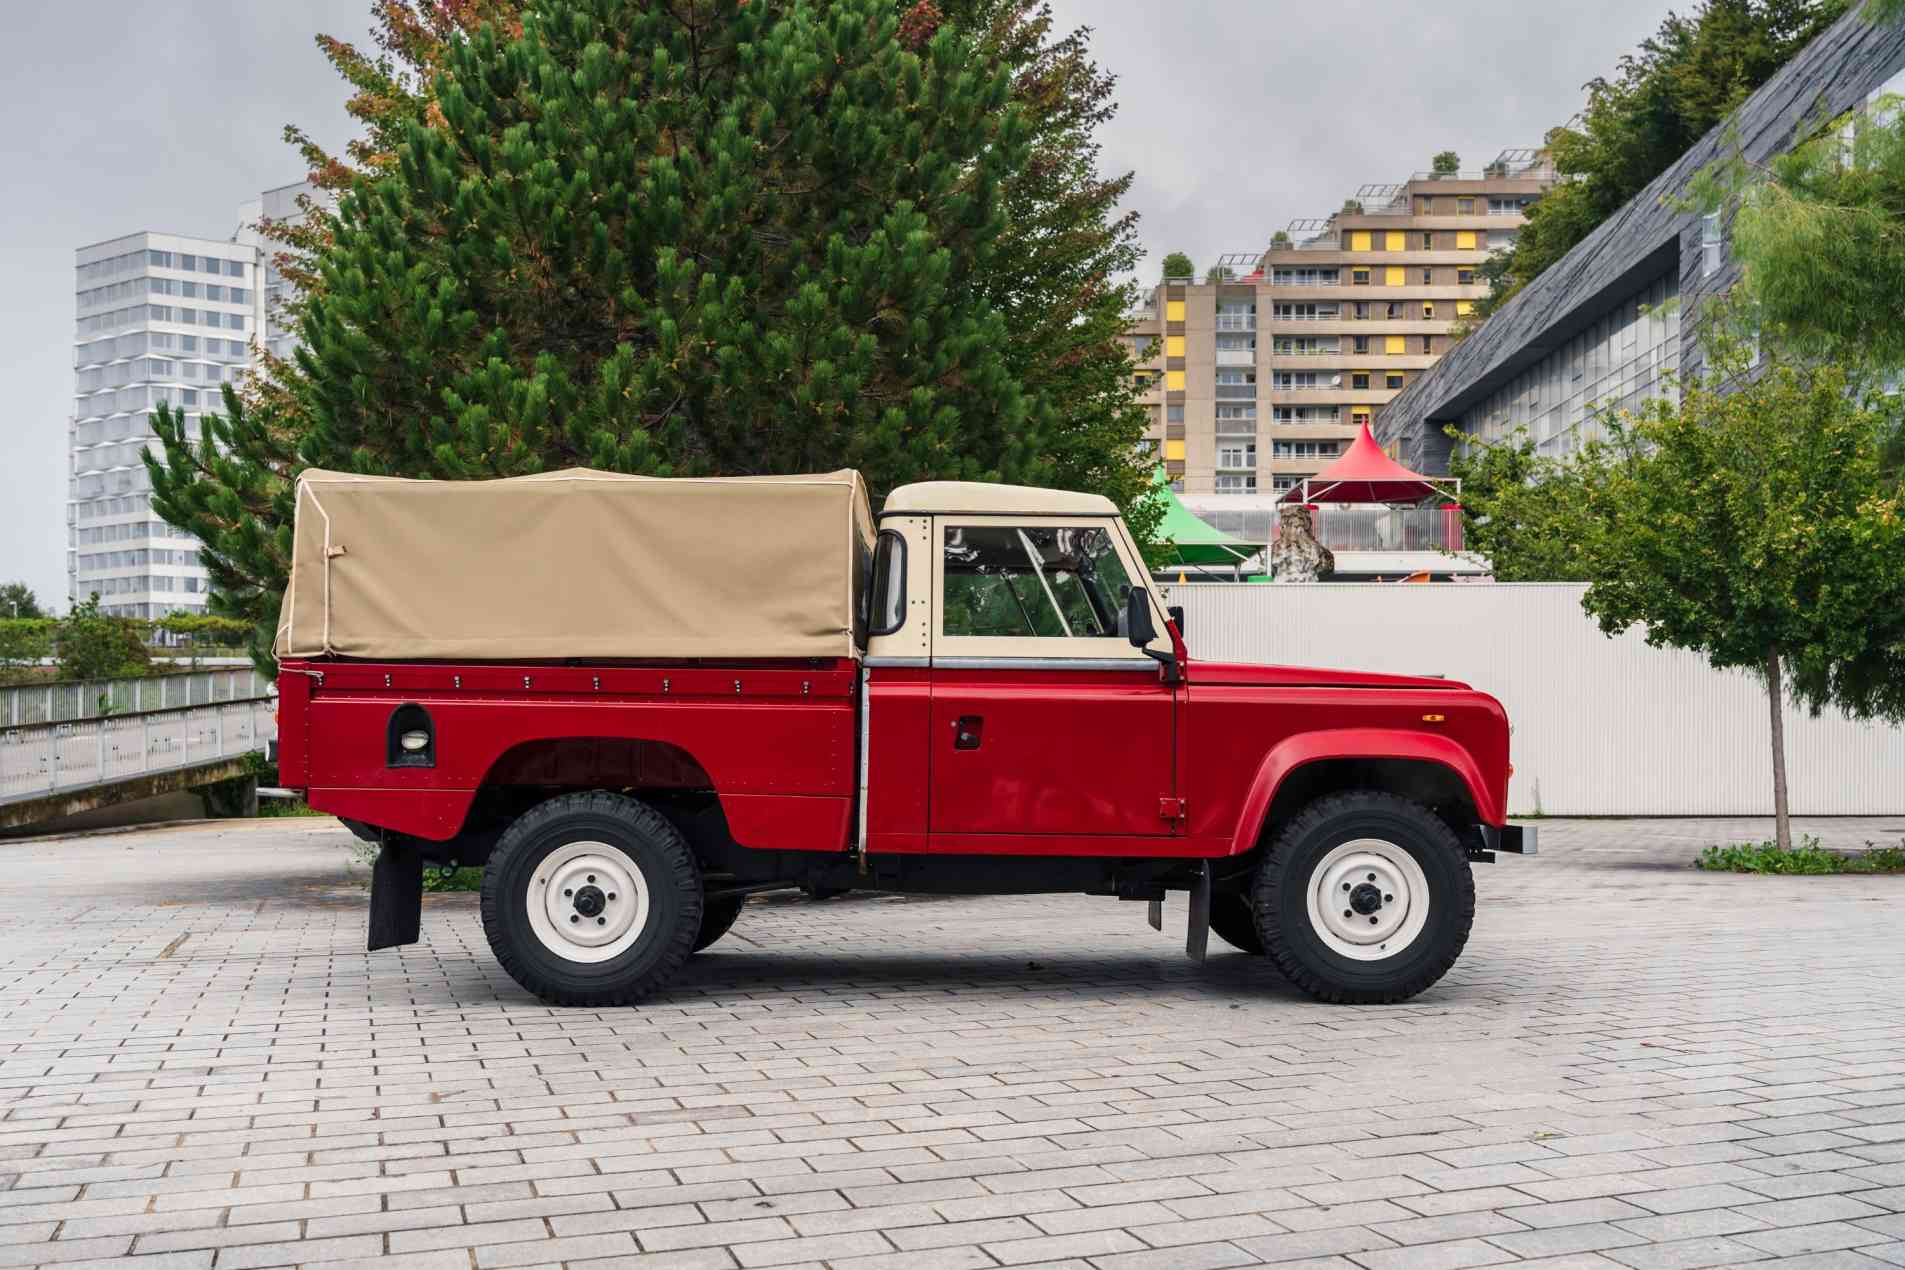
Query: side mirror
(1177, 617)
(1141, 630)
(1138, 627)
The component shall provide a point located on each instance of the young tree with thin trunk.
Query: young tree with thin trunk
(1755, 522)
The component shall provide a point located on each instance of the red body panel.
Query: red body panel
(776, 741)
(1052, 752)
(1068, 762)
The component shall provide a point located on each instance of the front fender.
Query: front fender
(1339, 743)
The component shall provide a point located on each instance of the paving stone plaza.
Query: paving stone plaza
(1634, 1064)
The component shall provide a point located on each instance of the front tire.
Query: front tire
(1364, 897)
(592, 899)
(1234, 922)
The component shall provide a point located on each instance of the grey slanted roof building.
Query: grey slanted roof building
(1594, 327)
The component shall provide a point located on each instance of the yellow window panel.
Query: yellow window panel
(1174, 346)
(1359, 240)
(1464, 307)
(1392, 241)
(1395, 343)
(1174, 450)
(1465, 239)
(1393, 276)
(1174, 310)
(1174, 380)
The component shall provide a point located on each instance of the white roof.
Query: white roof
(980, 496)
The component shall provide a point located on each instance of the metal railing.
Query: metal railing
(49, 758)
(93, 698)
(1376, 528)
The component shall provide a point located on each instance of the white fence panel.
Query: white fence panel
(47, 758)
(1601, 726)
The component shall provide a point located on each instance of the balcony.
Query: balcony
(1236, 357)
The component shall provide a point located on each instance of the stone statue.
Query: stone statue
(1296, 555)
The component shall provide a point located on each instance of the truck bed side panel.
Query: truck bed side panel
(774, 741)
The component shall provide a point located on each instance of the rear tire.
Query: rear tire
(1234, 923)
(592, 899)
(716, 918)
(1364, 897)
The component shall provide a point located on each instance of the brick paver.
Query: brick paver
(1634, 1064)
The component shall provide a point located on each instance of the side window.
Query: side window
(888, 606)
(1044, 582)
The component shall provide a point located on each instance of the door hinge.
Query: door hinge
(1173, 809)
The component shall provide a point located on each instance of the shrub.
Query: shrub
(1808, 857)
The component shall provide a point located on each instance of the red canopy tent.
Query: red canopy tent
(1364, 474)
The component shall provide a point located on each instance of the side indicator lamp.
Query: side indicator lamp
(1432, 718)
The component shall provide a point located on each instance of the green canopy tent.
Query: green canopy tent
(1195, 544)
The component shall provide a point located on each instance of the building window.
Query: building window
(1465, 277)
(1428, 344)
(1359, 277)
(1395, 344)
(1359, 379)
(1394, 312)
(1236, 414)
(1233, 483)
(1305, 449)
(1174, 450)
(1305, 277)
(1395, 276)
(1236, 343)
(1463, 308)
(1712, 244)
(1174, 346)
(1360, 312)
(1427, 277)
(1428, 241)
(1174, 414)
(1361, 343)
(1465, 207)
(1359, 240)
(1281, 484)
(1237, 316)
(1359, 416)
(1174, 381)
(1144, 380)
(1142, 346)
(1393, 379)
(1174, 310)
(1428, 313)
(1394, 240)
(1237, 454)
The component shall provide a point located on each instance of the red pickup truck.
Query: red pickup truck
(980, 692)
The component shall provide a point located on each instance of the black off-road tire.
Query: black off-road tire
(650, 844)
(717, 916)
(1234, 923)
(1287, 872)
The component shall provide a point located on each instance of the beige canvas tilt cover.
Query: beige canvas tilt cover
(576, 564)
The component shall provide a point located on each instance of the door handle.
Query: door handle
(968, 729)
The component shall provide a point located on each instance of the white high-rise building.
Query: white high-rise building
(160, 318)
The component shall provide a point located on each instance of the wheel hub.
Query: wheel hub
(587, 902)
(1368, 899)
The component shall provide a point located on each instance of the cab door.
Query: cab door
(1045, 722)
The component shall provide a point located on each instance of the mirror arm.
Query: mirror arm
(1168, 668)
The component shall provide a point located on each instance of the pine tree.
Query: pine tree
(712, 237)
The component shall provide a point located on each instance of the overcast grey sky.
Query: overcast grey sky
(1236, 117)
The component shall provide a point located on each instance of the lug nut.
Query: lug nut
(1346, 913)
(567, 891)
(1387, 899)
(1345, 886)
(611, 894)
(1372, 878)
(1372, 921)
(592, 876)
(603, 921)
(574, 918)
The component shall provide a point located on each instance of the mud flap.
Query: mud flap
(396, 896)
(1197, 930)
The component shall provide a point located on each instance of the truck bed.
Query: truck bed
(776, 739)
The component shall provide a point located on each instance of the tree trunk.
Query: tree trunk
(1775, 699)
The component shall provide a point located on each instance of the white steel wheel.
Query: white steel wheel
(587, 902)
(1368, 899)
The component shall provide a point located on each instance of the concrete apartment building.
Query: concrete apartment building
(160, 318)
(1613, 322)
(1260, 374)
